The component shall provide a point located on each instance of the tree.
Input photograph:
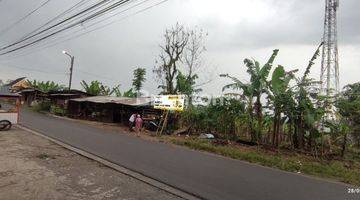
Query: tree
(348, 105)
(175, 41)
(254, 89)
(179, 60)
(186, 85)
(46, 86)
(139, 79)
(281, 97)
(299, 104)
(129, 93)
(192, 62)
(94, 88)
(97, 88)
(306, 113)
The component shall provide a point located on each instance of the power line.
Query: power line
(95, 29)
(97, 75)
(55, 25)
(80, 18)
(34, 70)
(58, 72)
(23, 18)
(135, 5)
(80, 3)
(91, 17)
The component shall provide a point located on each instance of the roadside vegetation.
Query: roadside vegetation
(277, 118)
(46, 86)
(280, 115)
(345, 170)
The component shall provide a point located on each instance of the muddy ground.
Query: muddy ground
(32, 167)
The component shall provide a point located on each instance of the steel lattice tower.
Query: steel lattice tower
(330, 60)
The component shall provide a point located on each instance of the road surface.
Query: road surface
(205, 175)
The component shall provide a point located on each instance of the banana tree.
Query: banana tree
(281, 98)
(307, 113)
(45, 86)
(248, 95)
(97, 88)
(94, 88)
(254, 89)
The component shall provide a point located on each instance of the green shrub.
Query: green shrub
(222, 116)
(58, 110)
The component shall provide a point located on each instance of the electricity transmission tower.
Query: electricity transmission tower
(330, 62)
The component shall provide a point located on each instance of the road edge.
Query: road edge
(123, 170)
(317, 178)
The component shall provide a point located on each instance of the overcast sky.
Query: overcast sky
(237, 29)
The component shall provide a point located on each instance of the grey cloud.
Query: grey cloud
(116, 50)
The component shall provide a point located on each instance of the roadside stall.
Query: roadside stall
(9, 108)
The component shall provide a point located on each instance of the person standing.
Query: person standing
(138, 124)
(132, 121)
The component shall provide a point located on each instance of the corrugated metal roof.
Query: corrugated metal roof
(15, 81)
(5, 91)
(142, 101)
(65, 91)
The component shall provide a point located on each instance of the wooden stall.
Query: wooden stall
(111, 109)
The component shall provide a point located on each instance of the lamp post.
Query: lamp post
(71, 66)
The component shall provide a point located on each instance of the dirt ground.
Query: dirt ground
(32, 167)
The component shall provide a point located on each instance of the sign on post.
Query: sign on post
(169, 102)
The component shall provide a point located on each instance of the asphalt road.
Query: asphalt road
(208, 176)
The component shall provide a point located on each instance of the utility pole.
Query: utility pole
(71, 67)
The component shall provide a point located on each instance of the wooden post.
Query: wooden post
(165, 122)
(162, 123)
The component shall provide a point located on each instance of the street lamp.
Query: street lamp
(71, 66)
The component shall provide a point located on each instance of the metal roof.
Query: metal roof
(65, 91)
(5, 92)
(141, 101)
(15, 81)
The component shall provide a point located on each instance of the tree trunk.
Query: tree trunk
(344, 146)
(258, 110)
(296, 137)
(274, 131)
(290, 134)
(301, 134)
(275, 138)
(278, 131)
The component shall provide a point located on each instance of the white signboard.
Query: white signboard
(169, 102)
